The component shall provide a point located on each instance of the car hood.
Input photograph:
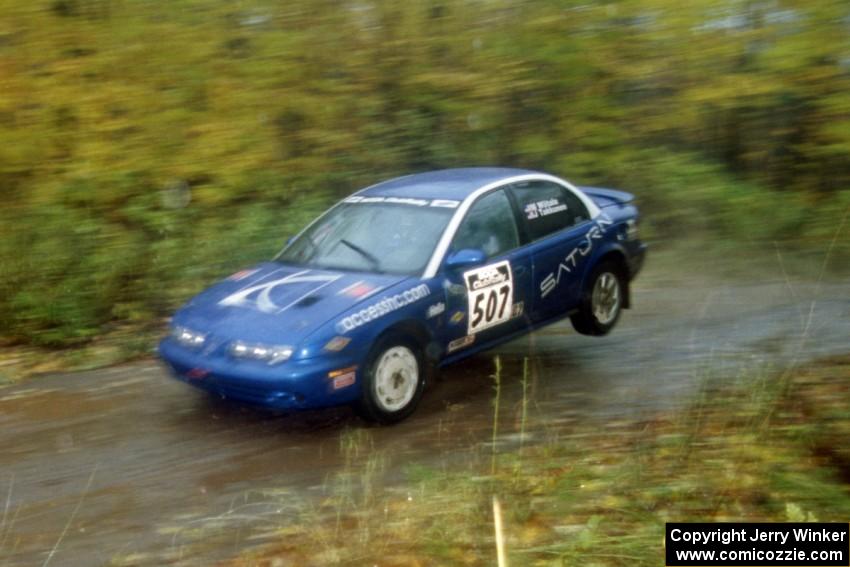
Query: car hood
(278, 304)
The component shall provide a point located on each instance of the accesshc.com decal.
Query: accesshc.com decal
(382, 307)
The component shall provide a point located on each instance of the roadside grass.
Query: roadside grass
(763, 447)
(115, 346)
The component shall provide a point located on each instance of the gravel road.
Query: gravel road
(125, 466)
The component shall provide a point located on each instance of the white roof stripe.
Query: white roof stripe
(443, 245)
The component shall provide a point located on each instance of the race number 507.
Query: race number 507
(490, 293)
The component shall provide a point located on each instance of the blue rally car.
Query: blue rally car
(409, 274)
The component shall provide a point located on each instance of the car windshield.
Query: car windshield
(372, 237)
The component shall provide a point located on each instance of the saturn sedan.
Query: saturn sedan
(405, 276)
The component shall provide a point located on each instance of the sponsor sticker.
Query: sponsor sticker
(436, 309)
(344, 381)
(358, 289)
(343, 378)
(456, 289)
(336, 344)
(460, 343)
(382, 307)
(444, 203)
(197, 373)
(457, 317)
(490, 294)
(517, 309)
(241, 275)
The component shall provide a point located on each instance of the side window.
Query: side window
(489, 226)
(548, 207)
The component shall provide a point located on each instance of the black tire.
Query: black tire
(601, 301)
(393, 381)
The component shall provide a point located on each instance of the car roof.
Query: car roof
(456, 183)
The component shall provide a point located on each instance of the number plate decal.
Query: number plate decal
(490, 292)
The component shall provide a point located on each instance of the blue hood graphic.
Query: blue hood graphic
(278, 304)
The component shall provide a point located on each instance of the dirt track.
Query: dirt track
(125, 465)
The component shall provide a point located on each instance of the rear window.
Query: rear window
(548, 207)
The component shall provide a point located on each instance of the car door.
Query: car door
(555, 221)
(487, 302)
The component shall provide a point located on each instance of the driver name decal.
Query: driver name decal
(490, 294)
(544, 208)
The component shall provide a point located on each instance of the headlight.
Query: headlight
(188, 338)
(272, 354)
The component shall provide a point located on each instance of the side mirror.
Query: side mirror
(466, 258)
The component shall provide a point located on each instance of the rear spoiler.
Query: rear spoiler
(607, 197)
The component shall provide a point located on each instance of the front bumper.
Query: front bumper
(292, 385)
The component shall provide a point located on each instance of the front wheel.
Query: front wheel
(394, 380)
(601, 302)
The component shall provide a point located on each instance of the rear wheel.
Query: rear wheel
(393, 381)
(601, 302)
